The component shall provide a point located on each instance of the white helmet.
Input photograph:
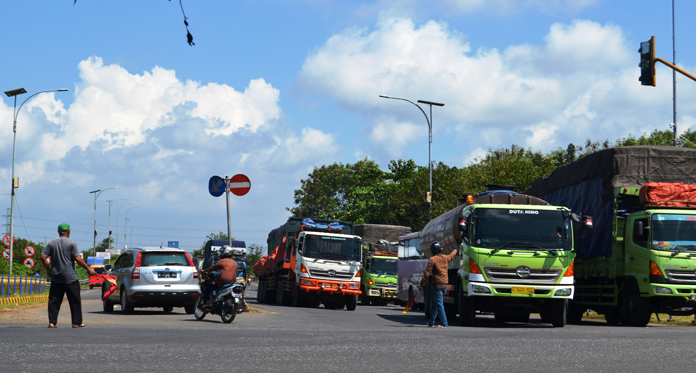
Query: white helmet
(225, 252)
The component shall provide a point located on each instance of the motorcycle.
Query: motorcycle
(226, 302)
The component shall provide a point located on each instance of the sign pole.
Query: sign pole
(229, 222)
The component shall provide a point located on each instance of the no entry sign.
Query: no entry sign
(6, 240)
(6, 253)
(240, 184)
(29, 262)
(29, 251)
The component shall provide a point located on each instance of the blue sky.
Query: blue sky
(273, 89)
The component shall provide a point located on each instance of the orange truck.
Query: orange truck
(96, 281)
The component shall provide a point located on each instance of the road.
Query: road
(298, 340)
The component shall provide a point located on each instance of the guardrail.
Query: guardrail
(21, 285)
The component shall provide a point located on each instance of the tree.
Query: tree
(254, 254)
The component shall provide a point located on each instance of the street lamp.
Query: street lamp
(430, 137)
(15, 181)
(111, 202)
(96, 195)
(125, 235)
(117, 211)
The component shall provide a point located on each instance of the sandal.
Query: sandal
(79, 326)
(51, 325)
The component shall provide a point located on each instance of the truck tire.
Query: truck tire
(613, 316)
(575, 312)
(364, 298)
(261, 291)
(351, 302)
(636, 308)
(282, 298)
(559, 309)
(298, 297)
(467, 310)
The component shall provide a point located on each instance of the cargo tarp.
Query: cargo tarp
(372, 233)
(586, 186)
(668, 194)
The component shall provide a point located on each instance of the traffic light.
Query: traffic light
(647, 62)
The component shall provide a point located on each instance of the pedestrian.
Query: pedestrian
(437, 268)
(64, 254)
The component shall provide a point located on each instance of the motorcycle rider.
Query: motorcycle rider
(228, 274)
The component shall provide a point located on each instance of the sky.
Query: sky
(272, 89)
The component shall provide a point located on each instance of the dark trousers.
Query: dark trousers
(208, 288)
(55, 298)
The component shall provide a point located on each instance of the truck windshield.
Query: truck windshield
(382, 266)
(674, 232)
(331, 247)
(521, 229)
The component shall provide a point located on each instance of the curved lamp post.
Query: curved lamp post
(111, 202)
(15, 182)
(125, 235)
(430, 137)
(117, 212)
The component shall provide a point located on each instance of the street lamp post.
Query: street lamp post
(15, 182)
(96, 195)
(111, 202)
(430, 137)
(125, 235)
(117, 211)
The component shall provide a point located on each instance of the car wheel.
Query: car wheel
(106, 305)
(168, 309)
(198, 312)
(229, 311)
(126, 307)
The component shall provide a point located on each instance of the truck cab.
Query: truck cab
(379, 277)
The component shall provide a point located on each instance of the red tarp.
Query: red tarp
(267, 262)
(668, 194)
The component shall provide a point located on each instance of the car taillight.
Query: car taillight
(195, 270)
(473, 267)
(570, 271)
(136, 269)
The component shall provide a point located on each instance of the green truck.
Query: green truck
(641, 257)
(515, 257)
(378, 280)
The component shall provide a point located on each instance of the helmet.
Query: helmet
(225, 252)
(435, 247)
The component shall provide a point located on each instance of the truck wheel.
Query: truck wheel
(260, 291)
(298, 297)
(613, 316)
(467, 309)
(280, 293)
(559, 309)
(575, 312)
(364, 298)
(351, 302)
(637, 308)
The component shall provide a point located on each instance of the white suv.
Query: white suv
(153, 277)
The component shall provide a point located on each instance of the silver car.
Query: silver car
(153, 277)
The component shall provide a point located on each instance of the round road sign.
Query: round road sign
(6, 240)
(240, 184)
(29, 251)
(29, 262)
(216, 186)
(6, 253)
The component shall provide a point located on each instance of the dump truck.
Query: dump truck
(514, 257)
(378, 274)
(641, 257)
(311, 262)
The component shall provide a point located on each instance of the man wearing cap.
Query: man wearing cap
(64, 254)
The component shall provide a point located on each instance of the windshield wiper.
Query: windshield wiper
(527, 244)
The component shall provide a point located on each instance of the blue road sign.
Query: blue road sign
(173, 244)
(216, 186)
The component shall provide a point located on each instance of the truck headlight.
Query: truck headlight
(307, 282)
(354, 286)
(662, 290)
(563, 292)
(480, 289)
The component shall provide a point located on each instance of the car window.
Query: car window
(164, 258)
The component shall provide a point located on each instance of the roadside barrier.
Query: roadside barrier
(21, 285)
(31, 298)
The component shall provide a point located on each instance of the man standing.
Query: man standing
(437, 267)
(64, 254)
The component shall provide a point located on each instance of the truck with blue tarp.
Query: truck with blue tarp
(514, 257)
(311, 262)
(641, 256)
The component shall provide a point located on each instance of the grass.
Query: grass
(664, 319)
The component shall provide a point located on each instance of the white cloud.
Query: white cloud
(518, 6)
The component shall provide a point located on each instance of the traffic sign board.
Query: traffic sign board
(29, 262)
(6, 253)
(216, 186)
(6, 240)
(29, 251)
(240, 184)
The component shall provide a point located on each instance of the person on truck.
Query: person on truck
(437, 267)
(228, 274)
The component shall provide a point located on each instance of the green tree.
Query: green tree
(18, 267)
(254, 253)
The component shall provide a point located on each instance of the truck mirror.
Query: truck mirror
(587, 222)
(642, 228)
(463, 227)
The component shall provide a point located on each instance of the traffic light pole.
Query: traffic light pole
(676, 68)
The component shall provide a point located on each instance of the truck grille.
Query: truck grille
(339, 275)
(537, 276)
(385, 284)
(682, 276)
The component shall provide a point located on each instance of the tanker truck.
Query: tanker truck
(641, 257)
(378, 274)
(311, 262)
(514, 257)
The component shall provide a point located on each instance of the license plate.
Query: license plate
(166, 275)
(522, 290)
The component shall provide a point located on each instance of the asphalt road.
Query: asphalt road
(299, 340)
